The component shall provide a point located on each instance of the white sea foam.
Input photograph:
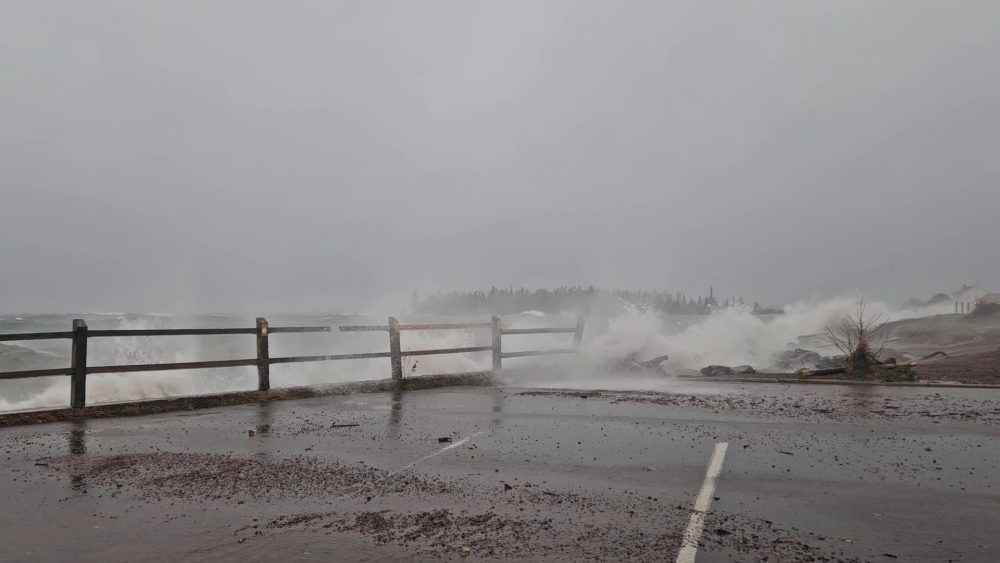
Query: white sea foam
(16, 346)
(731, 336)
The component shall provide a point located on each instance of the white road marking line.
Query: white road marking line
(410, 465)
(689, 545)
(441, 451)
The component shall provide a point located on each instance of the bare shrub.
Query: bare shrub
(985, 309)
(860, 336)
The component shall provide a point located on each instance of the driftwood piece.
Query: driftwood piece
(838, 371)
(938, 354)
(815, 372)
(655, 362)
(630, 364)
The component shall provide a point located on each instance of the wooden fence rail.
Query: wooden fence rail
(80, 335)
(35, 336)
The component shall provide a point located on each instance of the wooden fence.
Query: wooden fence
(80, 334)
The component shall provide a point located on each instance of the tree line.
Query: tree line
(568, 299)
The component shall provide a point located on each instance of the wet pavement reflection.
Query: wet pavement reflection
(78, 446)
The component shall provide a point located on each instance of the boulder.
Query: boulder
(631, 364)
(716, 371)
(831, 362)
(796, 359)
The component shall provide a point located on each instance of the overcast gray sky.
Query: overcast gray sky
(260, 156)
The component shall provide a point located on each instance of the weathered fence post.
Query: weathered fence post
(395, 352)
(78, 380)
(263, 356)
(497, 352)
(578, 335)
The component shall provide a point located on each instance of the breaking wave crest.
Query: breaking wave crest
(730, 336)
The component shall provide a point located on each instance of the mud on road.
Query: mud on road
(513, 474)
(521, 521)
(845, 405)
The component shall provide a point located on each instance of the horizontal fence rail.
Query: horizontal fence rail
(35, 373)
(170, 332)
(365, 328)
(202, 331)
(447, 351)
(35, 336)
(527, 353)
(80, 335)
(329, 357)
(444, 326)
(451, 326)
(294, 329)
(537, 330)
(168, 367)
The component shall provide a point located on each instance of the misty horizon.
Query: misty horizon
(185, 156)
(353, 280)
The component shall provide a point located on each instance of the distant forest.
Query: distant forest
(571, 299)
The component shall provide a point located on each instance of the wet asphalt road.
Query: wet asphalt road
(811, 473)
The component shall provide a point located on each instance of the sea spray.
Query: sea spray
(730, 336)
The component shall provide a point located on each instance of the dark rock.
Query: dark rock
(831, 362)
(796, 359)
(716, 371)
(632, 364)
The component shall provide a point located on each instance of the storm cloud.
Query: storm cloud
(260, 156)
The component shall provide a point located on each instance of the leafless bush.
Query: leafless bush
(985, 309)
(860, 336)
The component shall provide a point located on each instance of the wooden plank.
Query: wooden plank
(394, 347)
(286, 329)
(539, 330)
(78, 364)
(35, 373)
(173, 332)
(329, 357)
(446, 351)
(447, 326)
(364, 328)
(497, 343)
(165, 367)
(578, 337)
(538, 353)
(263, 356)
(34, 336)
